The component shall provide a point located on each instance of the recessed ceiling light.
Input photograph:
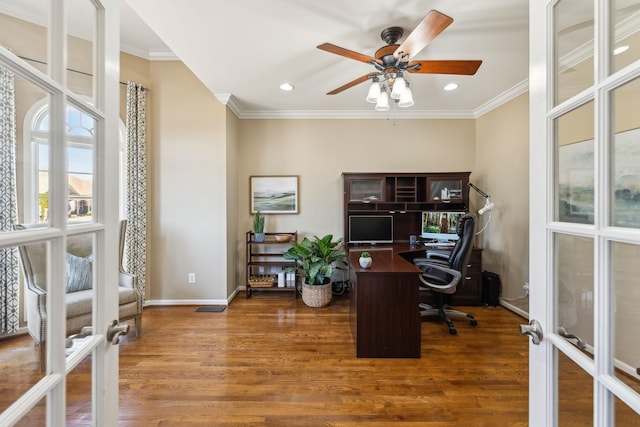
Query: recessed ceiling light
(620, 49)
(451, 86)
(287, 87)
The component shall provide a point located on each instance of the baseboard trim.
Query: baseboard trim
(167, 302)
(153, 302)
(513, 308)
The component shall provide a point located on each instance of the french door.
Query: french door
(584, 212)
(50, 40)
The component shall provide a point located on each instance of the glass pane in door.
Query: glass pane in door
(574, 286)
(23, 30)
(79, 394)
(625, 416)
(24, 189)
(625, 271)
(575, 393)
(626, 34)
(573, 49)
(81, 24)
(20, 353)
(575, 166)
(625, 156)
(80, 163)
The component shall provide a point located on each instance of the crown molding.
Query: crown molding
(231, 102)
(503, 98)
(162, 55)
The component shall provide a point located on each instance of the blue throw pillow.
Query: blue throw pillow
(79, 273)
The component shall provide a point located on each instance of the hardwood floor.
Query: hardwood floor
(270, 360)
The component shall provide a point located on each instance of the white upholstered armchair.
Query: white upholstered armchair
(79, 296)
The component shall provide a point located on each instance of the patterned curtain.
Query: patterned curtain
(9, 285)
(136, 185)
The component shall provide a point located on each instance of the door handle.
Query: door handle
(115, 330)
(534, 330)
(85, 332)
(563, 333)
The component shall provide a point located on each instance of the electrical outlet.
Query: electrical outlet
(525, 288)
(192, 278)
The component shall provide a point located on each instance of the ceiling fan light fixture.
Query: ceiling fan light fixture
(399, 87)
(383, 102)
(406, 100)
(374, 91)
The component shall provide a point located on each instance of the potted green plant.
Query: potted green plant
(258, 227)
(315, 261)
(365, 260)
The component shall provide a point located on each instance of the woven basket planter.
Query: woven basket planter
(316, 295)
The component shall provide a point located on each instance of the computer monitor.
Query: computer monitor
(370, 229)
(440, 225)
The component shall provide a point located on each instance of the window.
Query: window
(80, 134)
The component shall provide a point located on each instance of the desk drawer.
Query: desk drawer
(471, 291)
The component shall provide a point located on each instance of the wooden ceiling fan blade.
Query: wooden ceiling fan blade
(331, 48)
(427, 30)
(352, 83)
(467, 68)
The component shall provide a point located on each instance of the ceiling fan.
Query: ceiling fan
(393, 60)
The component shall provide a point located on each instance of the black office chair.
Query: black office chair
(444, 272)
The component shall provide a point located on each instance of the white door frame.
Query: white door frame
(543, 358)
(104, 225)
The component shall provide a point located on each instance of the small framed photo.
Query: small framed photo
(274, 194)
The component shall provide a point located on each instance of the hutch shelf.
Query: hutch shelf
(405, 196)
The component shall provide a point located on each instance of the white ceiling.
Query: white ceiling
(247, 48)
(243, 50)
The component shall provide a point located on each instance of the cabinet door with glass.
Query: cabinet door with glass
(365, 189)
(448, 188)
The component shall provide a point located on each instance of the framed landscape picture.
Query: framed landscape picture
(273, 194)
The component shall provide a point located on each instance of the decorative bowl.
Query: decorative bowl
(283, 237)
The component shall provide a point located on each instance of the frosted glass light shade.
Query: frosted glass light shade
(406, 100)
(383, 102)
(374, 92)
(399, 87)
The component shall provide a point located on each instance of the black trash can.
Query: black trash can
(491, 288)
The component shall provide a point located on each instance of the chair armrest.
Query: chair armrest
(454, 275)
(438, 255)
(128, 280)
(32, 287)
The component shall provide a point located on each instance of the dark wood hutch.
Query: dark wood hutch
(405, 196)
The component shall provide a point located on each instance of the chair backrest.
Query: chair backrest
(34, 256)
(461, 252)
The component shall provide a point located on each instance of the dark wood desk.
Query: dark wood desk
(384, 315)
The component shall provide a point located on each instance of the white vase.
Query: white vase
(365, 262)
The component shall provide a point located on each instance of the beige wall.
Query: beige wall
(502, 164)
(188, 175)
(318, 151)
(233, 262)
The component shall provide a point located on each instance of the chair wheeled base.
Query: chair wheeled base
(444, 314)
